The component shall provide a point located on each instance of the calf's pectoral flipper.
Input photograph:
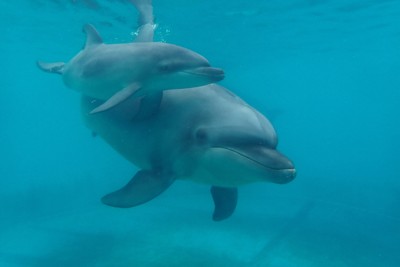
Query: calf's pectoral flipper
(225, 200)
(149, 103)
(118, 97)
(144, 186)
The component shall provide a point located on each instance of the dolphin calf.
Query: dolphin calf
(224, 143)
(115, 72)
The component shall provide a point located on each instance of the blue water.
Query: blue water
(325, 72)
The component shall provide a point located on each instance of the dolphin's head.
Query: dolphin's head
(256, 163)
(236, 157)
(178, 67)
(240, 148)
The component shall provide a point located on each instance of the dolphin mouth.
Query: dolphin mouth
(269, 159)
(213, 74)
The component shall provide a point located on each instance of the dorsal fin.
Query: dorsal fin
(92, 36)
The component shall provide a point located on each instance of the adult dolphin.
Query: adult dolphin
(114, 72)
(206, 134)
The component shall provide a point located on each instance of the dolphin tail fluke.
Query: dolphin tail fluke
(146, 20)
(53, 67)
(118, 98)
(144, 186)
(145, 33)
(225, 200)
(145, 8)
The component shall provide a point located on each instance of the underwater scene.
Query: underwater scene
(189, 100)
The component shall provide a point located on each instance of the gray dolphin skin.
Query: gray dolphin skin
(115, 72)
(206, 135)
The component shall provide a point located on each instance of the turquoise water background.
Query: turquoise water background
(326, 73)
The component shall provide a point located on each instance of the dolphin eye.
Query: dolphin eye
(201, 136)
(170, 66)
(164, 68)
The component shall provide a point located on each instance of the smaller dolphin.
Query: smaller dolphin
(115, 72)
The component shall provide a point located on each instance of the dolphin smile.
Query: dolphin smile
(276, 168)
(269, 163)
(214, 74)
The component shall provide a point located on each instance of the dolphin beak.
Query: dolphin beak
(282, 170)
(212, 74)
